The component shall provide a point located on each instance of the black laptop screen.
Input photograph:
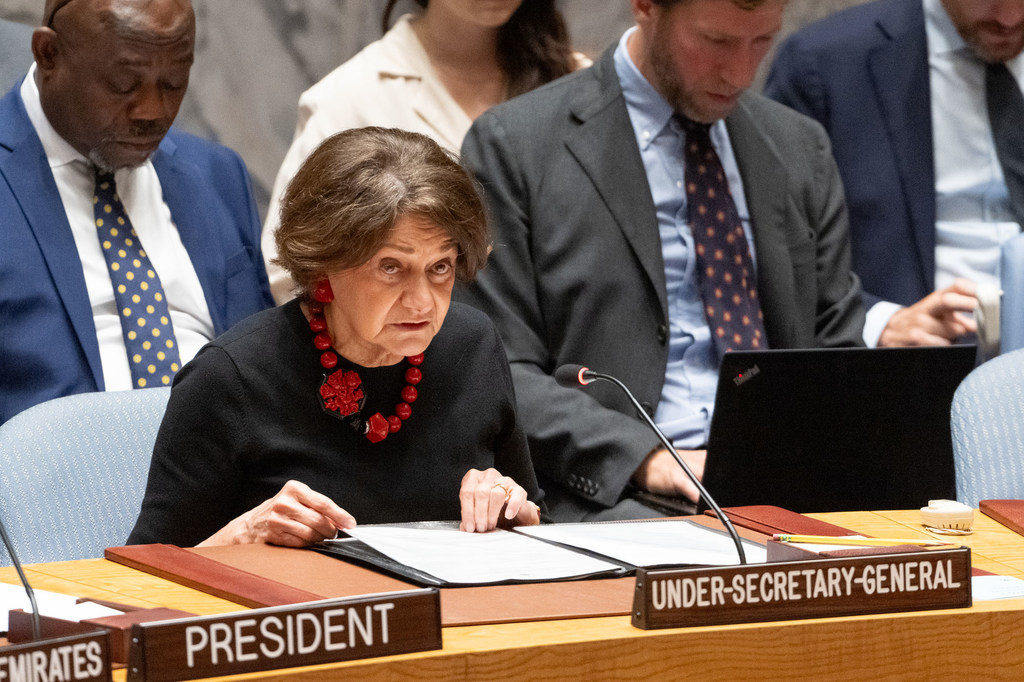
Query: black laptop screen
(835, 429)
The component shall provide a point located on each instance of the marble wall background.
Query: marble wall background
(255, 57)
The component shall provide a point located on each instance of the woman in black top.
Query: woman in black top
(370, 396)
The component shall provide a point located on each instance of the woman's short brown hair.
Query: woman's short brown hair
(341, 206)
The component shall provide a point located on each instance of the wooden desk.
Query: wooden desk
(983, 642)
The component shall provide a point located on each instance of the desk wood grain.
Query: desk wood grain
(982, 642)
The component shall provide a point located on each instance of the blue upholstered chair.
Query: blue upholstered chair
(988, 431)
(1011, 317)
(73, 471)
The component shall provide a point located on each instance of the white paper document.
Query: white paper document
(651, 543)
(529, 553)
(986, 587)
(477, 558)
(50, 604)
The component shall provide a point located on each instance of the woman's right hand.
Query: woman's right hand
(297, 516)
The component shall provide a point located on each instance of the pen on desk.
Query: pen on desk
(848, 540)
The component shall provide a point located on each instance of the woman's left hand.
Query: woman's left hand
(487, 498)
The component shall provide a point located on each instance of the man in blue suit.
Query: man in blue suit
(900, 86)
(98, 103)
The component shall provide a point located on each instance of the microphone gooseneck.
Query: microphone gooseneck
(574, 376)
(24, 581)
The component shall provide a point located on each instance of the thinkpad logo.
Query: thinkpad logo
(744, 377)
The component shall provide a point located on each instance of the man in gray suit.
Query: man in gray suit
(601, 188)
(15, 53)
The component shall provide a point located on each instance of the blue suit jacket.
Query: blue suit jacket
(863, 74)
(48, 345)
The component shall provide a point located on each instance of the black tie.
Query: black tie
(1006, 114)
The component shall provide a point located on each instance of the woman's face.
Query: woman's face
(392, 306)
(480, 13)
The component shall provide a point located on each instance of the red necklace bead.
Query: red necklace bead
(340, 393)
(322, 341)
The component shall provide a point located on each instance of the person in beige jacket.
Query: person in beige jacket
(432, 73)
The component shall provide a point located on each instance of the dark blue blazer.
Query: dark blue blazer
(48, 345)
(863, 74)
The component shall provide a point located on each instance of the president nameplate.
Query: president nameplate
(285, 636)
(818, 588)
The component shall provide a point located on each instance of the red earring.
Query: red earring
(322, 292)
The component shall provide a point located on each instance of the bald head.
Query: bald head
(112, 73)
(154, 21)
(52, 7)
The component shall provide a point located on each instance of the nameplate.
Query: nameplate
(285, 636)
(75, 658)
(920, 580)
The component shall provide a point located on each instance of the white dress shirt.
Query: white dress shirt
(142, 196)
(691, 376)
(972, 208)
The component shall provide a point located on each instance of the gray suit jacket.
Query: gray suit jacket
(577, 276)
(15, 53)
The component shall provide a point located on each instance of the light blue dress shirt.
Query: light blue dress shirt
(687, 399)
(972, 206)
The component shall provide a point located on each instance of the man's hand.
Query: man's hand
(661, 474)
(938, 319)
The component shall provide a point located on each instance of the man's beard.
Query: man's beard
(976, 40)
(144, 129)
(667, 81)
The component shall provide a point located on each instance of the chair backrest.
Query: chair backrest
(73, 471)
(988, 431)
(1011, 316)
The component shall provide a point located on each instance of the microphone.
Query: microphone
(574, 376)
(24, 581)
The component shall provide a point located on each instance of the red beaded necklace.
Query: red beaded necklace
(341, 394)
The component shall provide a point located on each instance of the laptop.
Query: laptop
(820, 430)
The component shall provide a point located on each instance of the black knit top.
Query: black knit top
(244, 418)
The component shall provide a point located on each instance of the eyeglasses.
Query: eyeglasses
(56, 8)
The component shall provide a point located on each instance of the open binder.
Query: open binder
(437, 554)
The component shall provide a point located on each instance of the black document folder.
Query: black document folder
(356, 551)
(584, 548)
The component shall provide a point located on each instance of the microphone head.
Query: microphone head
(572, 376)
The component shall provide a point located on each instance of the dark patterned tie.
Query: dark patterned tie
(724, 266)
(1006, 114)
(142, 307)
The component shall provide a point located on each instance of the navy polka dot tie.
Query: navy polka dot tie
(142, 307)
(724, 266)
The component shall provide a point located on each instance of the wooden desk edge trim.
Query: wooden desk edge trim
(206, 575)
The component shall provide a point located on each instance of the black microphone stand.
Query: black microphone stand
(24, 581)
(679, 460)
